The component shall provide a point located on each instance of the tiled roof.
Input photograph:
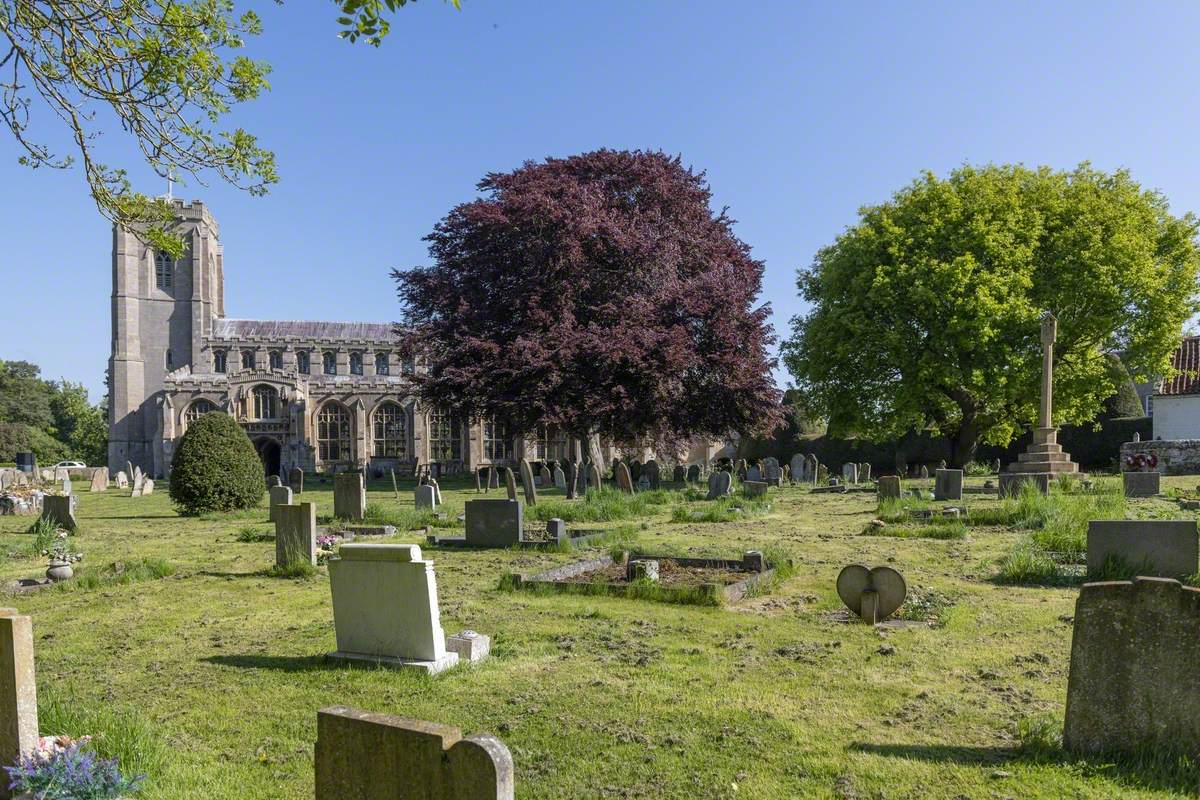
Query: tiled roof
(1186, 362)
(278, 329)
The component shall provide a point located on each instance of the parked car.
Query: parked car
(70, 465)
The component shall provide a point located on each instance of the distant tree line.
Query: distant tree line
(53, 419)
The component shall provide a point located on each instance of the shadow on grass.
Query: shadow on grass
(1155, 770)
(132, 516)
(276, 663)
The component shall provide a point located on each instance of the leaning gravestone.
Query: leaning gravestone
(624, 479)
(278, 496)
(1164, 548)
(948, 484)
(295, 533)
(510, 484)
(693, 473)
(99, 480)
(889, 487)
(425, 498)
(596, 481)
(296, 480)
(59, 510)
(18, 690)
(364, 756)
(720, 484)
(873, 594)
(527, 483)
(349, 496)
(437, 490)
(122, 480)
(650, 471)
(385, 608)
(1133, 684)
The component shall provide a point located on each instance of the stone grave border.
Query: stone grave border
(574, 538)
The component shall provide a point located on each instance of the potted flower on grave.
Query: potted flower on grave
(326, 546)
(63, 769)
(61, 558)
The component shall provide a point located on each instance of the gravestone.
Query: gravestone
(1133, 685)
(1141, 484)
(1164, 548)
(799, 465)
(641, 569)
(754, 473)
(693, 473)
(924, 471)
(948, 484)
(572, 480)
(864, 472)
(147, 487)
(996, 466)
(814, 470)
(295, 533)
(942, 463)
(425, 497)
(771, 472)
(494, 523)
(635, 470)
(99, 480)
(493, 478)
(278, 496)
(873, 594)
(385, 608)
(349, 496)
(364, 756)
(547, 480)
(139, 481)
(850, 473)
(597, 480)
(138, 475)
(755, 488)
(556, 531)
(643, 483)
(679, 474)
(510, 484)
(437, 490)
(130, 471)
(624, 479)
(479, 480)
(18, 691)
(527, 483)
(821, 474)
(890, 487)
(560, 478)
(59, 510)
(122, 480)
(651, 472)
(273, 481)
(296, 480)
(720, 484)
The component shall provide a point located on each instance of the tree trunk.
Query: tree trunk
(964, 442)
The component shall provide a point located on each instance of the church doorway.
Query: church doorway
(268, 453)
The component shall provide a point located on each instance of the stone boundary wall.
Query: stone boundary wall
(1175, 456)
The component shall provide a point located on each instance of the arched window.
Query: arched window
(497, 441)
(381, 364)
(302, 362)
(356, 364)
(329, 362)
(445, 437)
(197, 410)
(219, 357)
(552, 443)
(390, 424)
(265, 402)
(247, 359)
(276, 359)
(164, 271)
(333, 433)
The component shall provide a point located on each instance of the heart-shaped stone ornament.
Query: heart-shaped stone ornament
(887, 583)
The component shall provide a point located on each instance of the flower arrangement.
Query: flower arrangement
(60, 550)
(326, 544)
(1140, 461)
(63, 769)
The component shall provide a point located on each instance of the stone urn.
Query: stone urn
(59, 571)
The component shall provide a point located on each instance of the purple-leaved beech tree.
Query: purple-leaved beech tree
(598, 293)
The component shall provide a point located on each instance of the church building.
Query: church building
(322, 396)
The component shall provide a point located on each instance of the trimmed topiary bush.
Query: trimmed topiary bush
(215, 468)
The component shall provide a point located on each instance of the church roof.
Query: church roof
(278, 329)
(1187, 361)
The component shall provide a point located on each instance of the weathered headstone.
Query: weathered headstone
(544, 476)
(122, 480)
(821, 474)
(1165, 548)
(755, 488)
(864, 472)
(596, 480)
(799, 465)
(295, 533)
(924, 471)
(18, 691)
(273, 481)
(679, 474)
(99, 480)
(510, 484)
(349, 496)
(560, 477)
(693, 473)
(635, 470)
(890, 487)
(572, 480)
(139, 481)
(754, 473)
(494, 523)
(948, 484)
(59, 510)
(364, 756)
(425, 497)
(1133, 684)
(996, 466)
(650, 471)
(278, 496)
(479, 479)
(1141, 484)
(771, 472)
(624, 479)
(850, 473)
(437, 490)
(527, 483)
(873, 594)
(493, 478)
(720, 484)
(385, 608)
(147, 487)
(296, 480)
(642, 569)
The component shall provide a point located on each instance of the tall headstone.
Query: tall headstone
(693, 473)
(364, 756)
(1133, 684)
(18, 691)
(527, 483)
(295, 533)
(349, 496)
(493, 478)
(479, 479)
(385, 608)
(650, 471)
(864, 472)
(139, 481)
(948, 484)
(546, 477)
(771, 472)
(799, 465)
(510, 484)
(99, 480)
(296, 480)
(572, 480)
(924, 471)
(679, 474)
(560, 477)
(635, 471)
(624, 478)
(850, 473)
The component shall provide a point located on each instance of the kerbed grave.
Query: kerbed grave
(501, 523)
(669, 579)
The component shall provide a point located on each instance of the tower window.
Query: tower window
(302, 362)
(247, 359)
(219, 359)
(164, 271)
(276, 359)
(329, 362)
(381, 364)
(168, 358)
(356, 364)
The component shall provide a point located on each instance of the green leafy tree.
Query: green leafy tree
(16, 437)
(80, 425)
(367, 19)
(25, 396)
(215, 467)
(924, 315)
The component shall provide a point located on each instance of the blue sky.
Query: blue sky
(799, 112)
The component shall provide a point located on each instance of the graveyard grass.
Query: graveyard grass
(191, 661)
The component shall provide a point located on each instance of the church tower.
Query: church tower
(162, 310)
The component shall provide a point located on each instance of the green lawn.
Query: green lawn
(597, 697)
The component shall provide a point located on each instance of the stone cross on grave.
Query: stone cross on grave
(1049, 334)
